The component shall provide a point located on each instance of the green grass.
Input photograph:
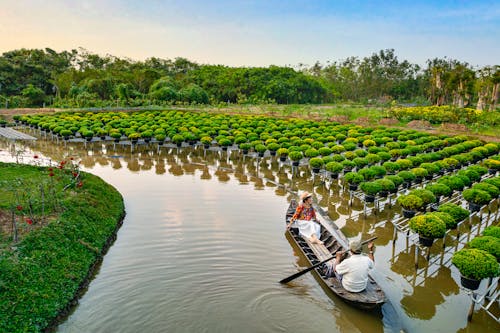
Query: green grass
(42, 274)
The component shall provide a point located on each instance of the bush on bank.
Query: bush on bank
(41, 276)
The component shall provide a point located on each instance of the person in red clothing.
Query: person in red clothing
(305, 219)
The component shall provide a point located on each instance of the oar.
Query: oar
(296, 275)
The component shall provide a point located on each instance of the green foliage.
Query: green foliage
(316, 162)
(492, 190)
(386, 184)
(489, 244)
(334, 167)
(492, 230)
(476, 264)
(395, 179)
(439, 189)
(428, 225)
(410, 202)
(446, 218)
(406, 175)
(370, 188)
(295, 156)
(427, 196)
(478, 197)
(457, 212)
(51, 263)
(353, 178)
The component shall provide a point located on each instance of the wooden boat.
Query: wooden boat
(372, 297)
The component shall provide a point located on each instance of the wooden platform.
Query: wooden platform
(12, 134)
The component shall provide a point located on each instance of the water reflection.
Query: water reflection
(413, 298)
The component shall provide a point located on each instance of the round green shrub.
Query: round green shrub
(428, 225)
(334, 167)
(492, 190)
(370, 188)
(386, 184)
(456, 211)
(353, 178)
(478, 197)
(492, 230)
(448, 220)
(475, 264)
(489, 244)
(439, 189)
(410, 202)
(295, 156)
(316, 162)
(427, 196)
(395, 179)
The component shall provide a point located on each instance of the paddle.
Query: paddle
(296, 275)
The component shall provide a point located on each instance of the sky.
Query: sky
(257, 32)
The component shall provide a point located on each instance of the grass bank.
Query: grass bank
(54, 257)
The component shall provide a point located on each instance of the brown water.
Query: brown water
(202, 249)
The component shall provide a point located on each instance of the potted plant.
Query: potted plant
(397, 182)
(273, 147)
(493, 191)
(116, 135)
(282, 153)
(178, 139)
(66, 133)
(475, 265)
(428, 227)
(206, 141)
(407, 176)
(489, 244)
(438, 190)
(387, 186)
(348, 165)
(457, 212)
(295, 156)
(493, 165)
(334, 168)
(391, 167)
(316, 163)
(370, 189)
(448, 220)
(245, 147)
(225, 142)
(410, 204)
(492, 230)
(160, 138)
(353, 179)
(427, 196)
(419, 173)
(476, 198)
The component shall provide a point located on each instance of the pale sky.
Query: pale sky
(257, 32)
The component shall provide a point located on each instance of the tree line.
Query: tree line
(79, 78)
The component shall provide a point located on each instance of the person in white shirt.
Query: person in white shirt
(354, 270)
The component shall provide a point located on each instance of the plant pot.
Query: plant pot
(441, 172)
(408, 213)
(334, 175)
(244, 151)
(428, 177)
(272, 152)
(224, 148)
(425, 241)
(179, 144)
(353, 187)
(395, 190)
(295, 163)
(418, 180)
(134, 142)
(384, 194)
(282, 158)
(369, 198)
(88, 138)
(492, 171)
(147, 140)
(473, 207)
(116, 140)
(206, 146)
(315, 170)
(469, 283)
(407, 184)
(261, 154)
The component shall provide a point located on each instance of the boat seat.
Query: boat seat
(321, 252)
